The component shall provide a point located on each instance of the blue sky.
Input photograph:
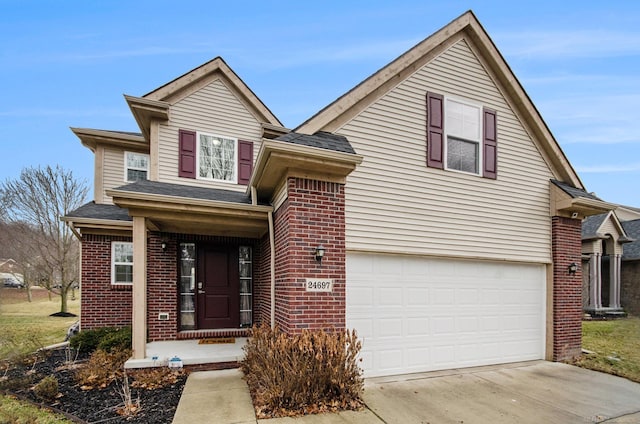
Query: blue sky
(68, 63)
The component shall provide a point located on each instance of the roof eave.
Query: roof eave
(91, 138)
(146, 110)
(278, 159)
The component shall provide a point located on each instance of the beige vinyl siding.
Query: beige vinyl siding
(394, 203)
(609, 227)
(113, 171)
(213, 109)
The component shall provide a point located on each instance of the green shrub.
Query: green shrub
(47, 388)
(119, 339)
(105, 338)
(312, 372)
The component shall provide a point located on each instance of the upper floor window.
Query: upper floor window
(217, 157)
(461, 136)
(136, 166)
(214, 158)
(121, 262)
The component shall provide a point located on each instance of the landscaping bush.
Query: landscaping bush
(119, 339)
(102, 369)
(105, 338)
(312, 372)
(47, 388)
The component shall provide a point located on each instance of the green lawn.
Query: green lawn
(14, 411)
(616, 347)
(27, 326)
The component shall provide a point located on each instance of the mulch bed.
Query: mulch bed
(92, 406)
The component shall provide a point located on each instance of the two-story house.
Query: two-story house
(430, 208)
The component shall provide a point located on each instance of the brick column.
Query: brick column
(567, 288)
(313, 214)
(162, 287)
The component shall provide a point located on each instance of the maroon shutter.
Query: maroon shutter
(245, 161)
(490, 144)
(435, 130)
(187, 154)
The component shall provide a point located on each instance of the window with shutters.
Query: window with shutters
(213, 157)
(461, 136)
(463, 131)
(217, 157)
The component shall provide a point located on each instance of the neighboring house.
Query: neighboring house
(430, 208)
(8, 265)
(630, 273)
(611, 262)
(603, 239)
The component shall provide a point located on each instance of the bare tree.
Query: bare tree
(32, 206)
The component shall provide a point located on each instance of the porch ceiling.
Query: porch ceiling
(174, 214)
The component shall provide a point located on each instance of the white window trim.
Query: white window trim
(235, 141)
(479, 141)
(114, 263)
(127, 167)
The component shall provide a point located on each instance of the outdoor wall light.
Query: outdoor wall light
(319, 254)
(164, 246)
(573, 267)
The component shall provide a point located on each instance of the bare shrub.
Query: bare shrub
(129, 407)
(312, 372)
(102, 368)
(155, 378)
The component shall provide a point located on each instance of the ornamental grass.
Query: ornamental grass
(311, 372)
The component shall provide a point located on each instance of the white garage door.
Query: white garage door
(415, 314)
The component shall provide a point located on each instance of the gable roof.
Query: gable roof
(592, 225)
(631, 251)
(156, 103)
(467, 26)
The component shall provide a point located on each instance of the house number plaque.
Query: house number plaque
(319, 285)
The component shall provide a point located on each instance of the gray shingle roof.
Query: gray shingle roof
(574, 192)
(631, 251)
(97, 211)
(179, 190)
(321, 139)
(591, 224)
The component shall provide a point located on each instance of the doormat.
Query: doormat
(219, 340)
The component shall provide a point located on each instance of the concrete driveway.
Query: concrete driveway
(531, 392)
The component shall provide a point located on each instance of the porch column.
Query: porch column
(595, 281)
(139, 300)
(614, 281)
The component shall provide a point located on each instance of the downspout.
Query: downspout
(272, 244)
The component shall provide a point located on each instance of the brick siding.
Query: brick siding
(567, 289)
(313, 214)
(103, 304)
(107, 305)
(630, 287)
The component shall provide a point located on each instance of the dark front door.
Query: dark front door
(218, 288)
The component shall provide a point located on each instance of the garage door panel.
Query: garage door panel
(417, 314)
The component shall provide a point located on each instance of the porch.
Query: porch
(215, 352)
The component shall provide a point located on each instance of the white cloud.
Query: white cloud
(607, 169)
(568, 44)
(44, 113)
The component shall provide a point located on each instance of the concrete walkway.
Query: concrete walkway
(531, 392)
